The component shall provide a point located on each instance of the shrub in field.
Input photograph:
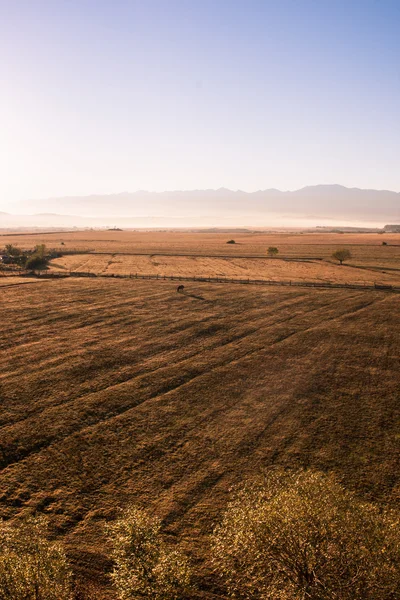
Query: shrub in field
(39, 259)
(231, 242)
(144, 567)
(303, 536)
(272, 251)
(12, 250)
(14, 255)
(341, 255)
(31, 567)
(35, 262)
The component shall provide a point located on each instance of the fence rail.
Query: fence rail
(232, 280)
(70, 251)
(194, 255)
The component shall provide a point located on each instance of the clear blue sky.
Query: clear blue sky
(106, 96)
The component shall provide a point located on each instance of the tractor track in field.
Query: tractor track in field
(175, 384)
(171, 348)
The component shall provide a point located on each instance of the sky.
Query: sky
(105, 96)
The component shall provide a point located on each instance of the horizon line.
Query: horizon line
(220, 189)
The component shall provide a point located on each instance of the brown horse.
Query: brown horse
(180, 288)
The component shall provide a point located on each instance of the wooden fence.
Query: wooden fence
(231, 280)
(196, 255)
(64, 251)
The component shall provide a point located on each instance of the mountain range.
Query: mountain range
(312, 205)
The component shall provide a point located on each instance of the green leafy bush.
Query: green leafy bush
(36, 262)
(39, 259)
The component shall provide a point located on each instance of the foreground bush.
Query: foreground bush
(144, 566)
(298, 537)
(31, 567)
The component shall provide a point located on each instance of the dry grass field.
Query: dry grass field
(11, 281)
(364, 247)
(118, 391)
(183, 266)
(163, 253)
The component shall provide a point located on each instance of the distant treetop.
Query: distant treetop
(341, 255)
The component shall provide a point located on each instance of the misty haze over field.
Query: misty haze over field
(192, 96)
(310, 206)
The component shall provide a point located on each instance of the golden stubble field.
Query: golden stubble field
(364, 246)
(172, 242)
(207, 254)
(118, 391)
(242, 268)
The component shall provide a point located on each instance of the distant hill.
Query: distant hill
(314, 205)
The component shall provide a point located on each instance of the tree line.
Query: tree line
(35, 259)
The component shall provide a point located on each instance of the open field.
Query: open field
(208, 254)
(8, 281)
(121, 390)
(364, 247)
(274, 269)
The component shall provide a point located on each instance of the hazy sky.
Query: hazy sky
(112, 95)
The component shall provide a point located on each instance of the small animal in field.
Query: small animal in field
(180, 288)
